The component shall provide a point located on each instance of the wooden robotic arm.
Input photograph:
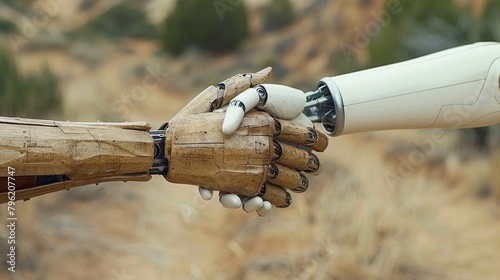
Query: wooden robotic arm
(50, 156)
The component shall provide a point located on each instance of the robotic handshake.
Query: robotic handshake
(251, 141)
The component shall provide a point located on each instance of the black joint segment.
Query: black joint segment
(238, 103)
(262, 191)
(160, 163)
(221, 87)
(313, 163)
(262, 92)
(303, 184)
(289, 201)
(277, 127)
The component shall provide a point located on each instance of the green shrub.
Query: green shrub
(33, 95)
(119, 21)
(490, 25)
(19, 5)
(277, 14)
(424, 27)
(203, 25)
(6, 26)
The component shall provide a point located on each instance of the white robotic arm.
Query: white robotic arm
(455, 88)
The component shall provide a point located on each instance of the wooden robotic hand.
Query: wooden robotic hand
(264, 157)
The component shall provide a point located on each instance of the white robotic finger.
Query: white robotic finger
(244, 102)
(279, 101)
(265, 209)
(229, 200)
(253, 204)
(206, 194)
(283, 102)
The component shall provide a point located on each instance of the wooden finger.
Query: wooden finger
(285, 177)
(277, 196)
(297, 133)
(295, 157)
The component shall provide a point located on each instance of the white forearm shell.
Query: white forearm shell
(456, 88)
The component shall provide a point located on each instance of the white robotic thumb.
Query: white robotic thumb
(237, 108)
(279, 101)
(283, 102)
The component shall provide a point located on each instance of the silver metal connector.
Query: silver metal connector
(324, 105)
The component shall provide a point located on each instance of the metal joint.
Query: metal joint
(160, 163)
(325, 105)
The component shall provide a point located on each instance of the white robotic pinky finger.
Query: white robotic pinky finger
(265, 209)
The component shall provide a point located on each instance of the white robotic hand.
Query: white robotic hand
(280, 102)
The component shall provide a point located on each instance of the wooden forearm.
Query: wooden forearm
(49, 156)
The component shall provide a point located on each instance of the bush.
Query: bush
(34, 95)
(6, 26)
(277, 14)
(120, 21)
(18, 5)
(489, 27)
(200, 24)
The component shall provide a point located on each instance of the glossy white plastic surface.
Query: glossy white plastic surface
(234, 114)
(283, 102)
(456, 88)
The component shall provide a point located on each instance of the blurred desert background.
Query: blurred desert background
(388, 205)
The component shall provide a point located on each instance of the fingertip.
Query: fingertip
(206, 194)
(265, 209)
(230, 201)
(253, 204)
(233, 118)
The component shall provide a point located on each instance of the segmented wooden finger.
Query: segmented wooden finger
(297, 133)
(295, 158)
(277, 196)
(231, 87)
(285, 177)
(321, 142)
